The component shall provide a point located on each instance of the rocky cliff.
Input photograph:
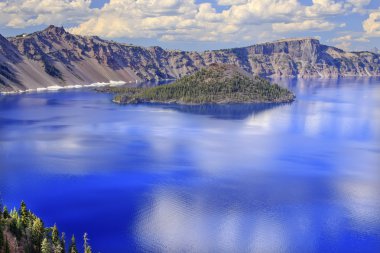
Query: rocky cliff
(55, 57)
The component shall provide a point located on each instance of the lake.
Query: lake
(300, 177)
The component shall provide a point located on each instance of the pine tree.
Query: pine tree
(55, 235)
(38, 232)
(45, 246)
(5, 212)
(87, 248)
(58, 248)
(73, 245)
(24, 214)
(63, 242)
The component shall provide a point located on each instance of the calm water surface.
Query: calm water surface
(303, 177)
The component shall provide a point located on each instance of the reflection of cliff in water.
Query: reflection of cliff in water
(226, 111)
(310, 85)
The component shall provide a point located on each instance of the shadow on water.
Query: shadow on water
(225, 111)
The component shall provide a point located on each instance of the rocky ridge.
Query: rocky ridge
(56, 57)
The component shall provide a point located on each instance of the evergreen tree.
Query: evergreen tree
(63, 242)
(58, 248)
(24, 214)
(29, 232)
(38, 232)
(5, 212)
(55, 235)
(73, 245)
(14, 228)
(45, 246)
(87, 248)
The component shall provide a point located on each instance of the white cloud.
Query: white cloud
(371, 25)
(345, 41)
(141, 18)
(359, 2)
(184, 19)
(231, 2)
(256, 11)
(342, 38)
(345, 45)
(359, 5)
(25, 13)
(306, 25)
(325, 7)
(181, 19)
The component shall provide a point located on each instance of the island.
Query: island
(215, 84)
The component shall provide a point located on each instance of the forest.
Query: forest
(217, 84)
(22, 231)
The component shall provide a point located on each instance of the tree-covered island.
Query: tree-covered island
(216, 84)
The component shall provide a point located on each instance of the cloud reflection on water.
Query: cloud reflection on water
(273, 179)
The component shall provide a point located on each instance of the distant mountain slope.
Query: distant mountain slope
(55, 57)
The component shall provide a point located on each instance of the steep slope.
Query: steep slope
(8, 56)
(71, 59)
(55, 57)
(18, 72)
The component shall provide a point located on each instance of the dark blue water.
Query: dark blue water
(303, 177)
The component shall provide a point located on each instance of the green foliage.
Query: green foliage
(38, 232)
(30, 234)
(58, 248)
(62, 242)
(5, 213)
(55, 235)
(88, 250)
(86, 246)
(15, 227)
(73, 245)
(46, 246)
(24, 214)
(216, 84)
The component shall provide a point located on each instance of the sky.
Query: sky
(201, 24)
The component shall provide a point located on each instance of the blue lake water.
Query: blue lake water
(300, 177)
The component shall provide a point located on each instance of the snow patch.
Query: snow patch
(57, 87)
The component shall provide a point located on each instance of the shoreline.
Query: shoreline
(290, 100)
(57, 87)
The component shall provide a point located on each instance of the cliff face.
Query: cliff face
(55, 57)
(300, 58)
